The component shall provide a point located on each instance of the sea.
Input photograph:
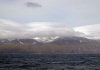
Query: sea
(29, 61)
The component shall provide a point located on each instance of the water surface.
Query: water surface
(49, 61)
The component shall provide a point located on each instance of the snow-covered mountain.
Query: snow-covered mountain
(46, 39)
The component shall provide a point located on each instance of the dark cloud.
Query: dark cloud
(32, 4)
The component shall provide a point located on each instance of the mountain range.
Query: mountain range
(77, 45)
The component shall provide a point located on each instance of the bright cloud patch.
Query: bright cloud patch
(90, 31)
(9, 29)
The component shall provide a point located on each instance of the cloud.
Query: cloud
(10, 29)
(32, 4)
(45, 30)
(90, 31)
(13, 30)
(50, 29)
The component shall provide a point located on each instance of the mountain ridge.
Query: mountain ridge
(59, 45)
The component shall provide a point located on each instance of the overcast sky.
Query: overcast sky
(80, 15)
(71, 12)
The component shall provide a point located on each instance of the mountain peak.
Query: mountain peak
(46, 39)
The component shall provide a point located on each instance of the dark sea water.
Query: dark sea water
(49, 61)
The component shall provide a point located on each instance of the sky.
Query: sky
(42, 17)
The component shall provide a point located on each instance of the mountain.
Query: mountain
(59, 45)
(20, 41)
(70, 40)
(18, 45)
(71, 45)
